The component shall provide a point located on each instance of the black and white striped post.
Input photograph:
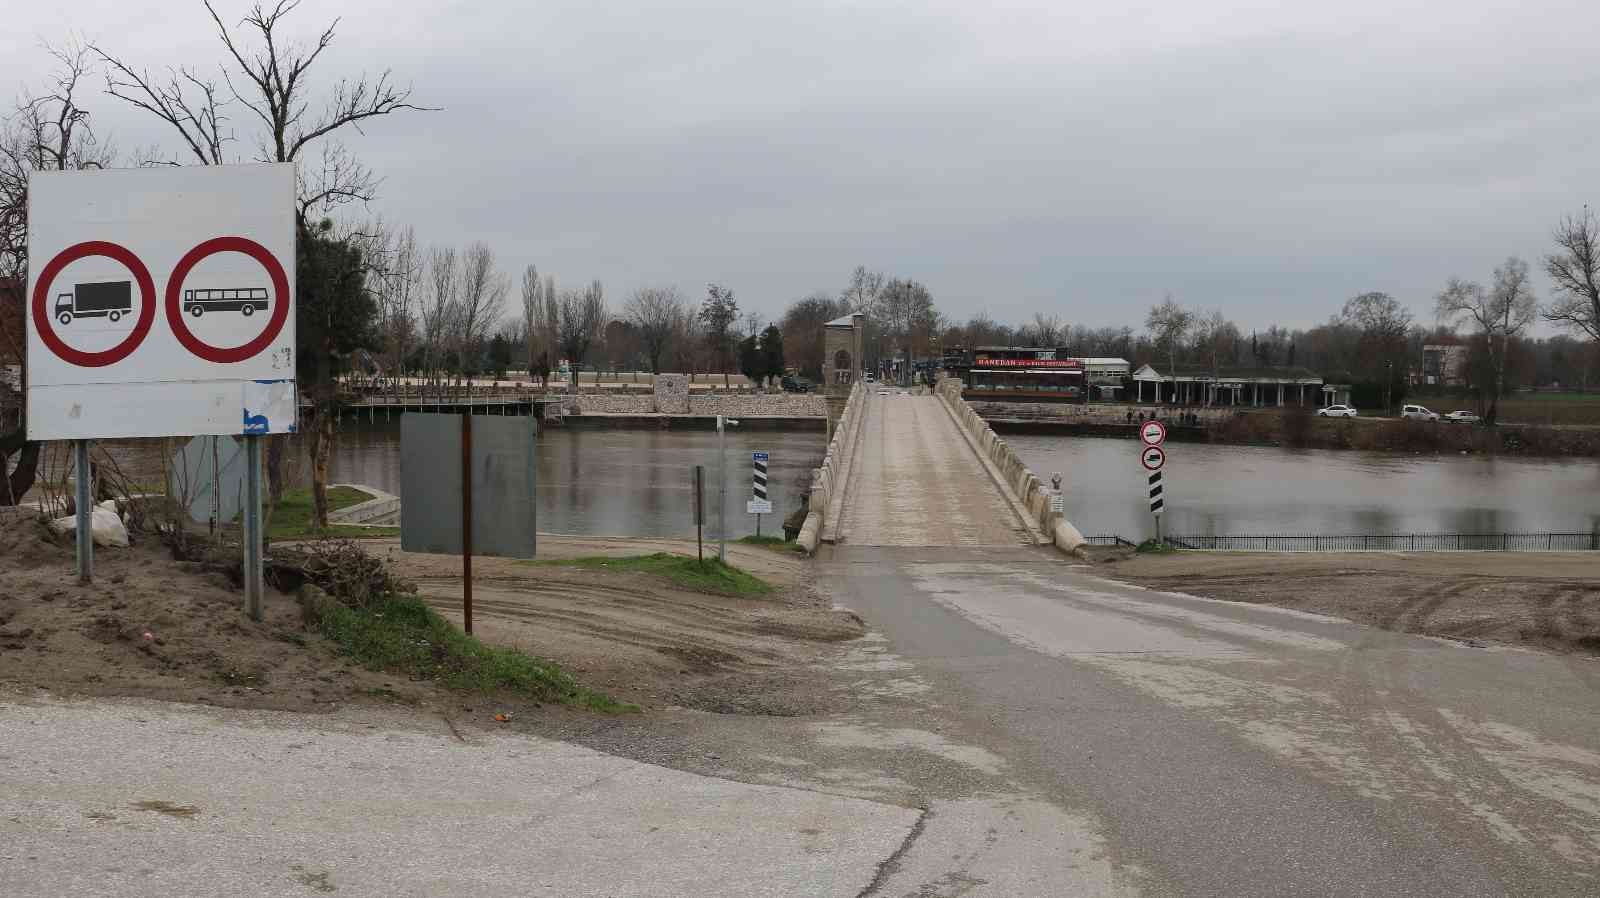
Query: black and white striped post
(1157, 504)
(759, 504)
(1154, 457)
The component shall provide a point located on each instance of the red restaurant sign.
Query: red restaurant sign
(1072, 364)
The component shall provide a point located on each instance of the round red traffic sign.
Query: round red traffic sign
(225, 355)
(1154, 433)
(1153, 457)
(141, 326)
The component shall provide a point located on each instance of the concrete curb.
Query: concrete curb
(1029, 489)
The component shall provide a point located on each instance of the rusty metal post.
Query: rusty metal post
(466, 520)
(700, 513)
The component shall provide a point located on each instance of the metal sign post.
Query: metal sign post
(1153, 458)
(722, 485)
(85, 513)
(700, 512)
(253, 537)
(466, 520)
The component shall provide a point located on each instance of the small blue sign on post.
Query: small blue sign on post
(758, 504)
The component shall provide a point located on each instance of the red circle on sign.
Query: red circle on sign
(225, 355)
(1153, 454)
(141, 328)
(1159, 429)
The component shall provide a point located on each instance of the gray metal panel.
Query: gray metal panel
(193, 469)
(504, 485)
(504, 510)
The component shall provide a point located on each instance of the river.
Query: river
(619, 482)
(1250, 490)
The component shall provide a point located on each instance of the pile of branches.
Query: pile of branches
(340, 567)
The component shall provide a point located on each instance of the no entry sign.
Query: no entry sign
(160, 302)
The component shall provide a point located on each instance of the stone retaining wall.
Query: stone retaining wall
(757, 405)
(1035, 495)
(828, 481)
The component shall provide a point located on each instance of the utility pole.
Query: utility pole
(723, 422)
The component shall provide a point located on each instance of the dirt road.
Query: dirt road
(638, 638)
(1545, 599)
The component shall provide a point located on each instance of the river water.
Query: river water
(1249, 490)
(619, 482)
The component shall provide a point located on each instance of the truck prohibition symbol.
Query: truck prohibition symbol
(246, 302)
(107, 299)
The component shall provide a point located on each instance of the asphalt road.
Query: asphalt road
(1214, 748)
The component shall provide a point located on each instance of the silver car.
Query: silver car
(1418, 413)
(1462, 416)
(1337, 411)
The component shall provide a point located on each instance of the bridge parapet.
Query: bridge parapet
(828, 481)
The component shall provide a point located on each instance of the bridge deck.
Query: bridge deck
(917, 482)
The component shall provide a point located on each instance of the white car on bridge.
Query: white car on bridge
(1337, 411)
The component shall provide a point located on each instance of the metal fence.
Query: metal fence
(1381, 542)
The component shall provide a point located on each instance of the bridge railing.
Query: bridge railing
(1542, 541)
(828, 480)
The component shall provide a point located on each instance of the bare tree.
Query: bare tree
(482, 297)
(1575, 269)
(397, 274)
(1168, 324)
(1500, 313)
(862, 294)
(48, 131)
(1045, 330)
(440, 309)
(271, 80)
(1217, 339)
(658, 313)
(532, 315)
(1383, 324)
(582, 316)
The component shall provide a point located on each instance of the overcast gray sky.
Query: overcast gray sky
(1266, 158)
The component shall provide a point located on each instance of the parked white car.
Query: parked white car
(1417, 413)
(1337, 411)
(1462, 416)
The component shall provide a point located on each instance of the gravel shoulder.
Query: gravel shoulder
(1547, 600)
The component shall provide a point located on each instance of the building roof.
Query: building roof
(846, 321)
(1231, 372)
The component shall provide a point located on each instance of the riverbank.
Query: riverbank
(153, 627)
(1544, 600)
(1294, 428)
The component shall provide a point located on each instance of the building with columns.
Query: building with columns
(1201, 385)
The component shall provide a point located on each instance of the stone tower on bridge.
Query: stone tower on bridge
(841, 352)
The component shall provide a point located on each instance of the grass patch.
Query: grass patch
(711, 575)
(775, 543)
(1155, 547)
(402, 634)
(292, 519)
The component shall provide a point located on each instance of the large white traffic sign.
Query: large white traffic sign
(161, 302)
